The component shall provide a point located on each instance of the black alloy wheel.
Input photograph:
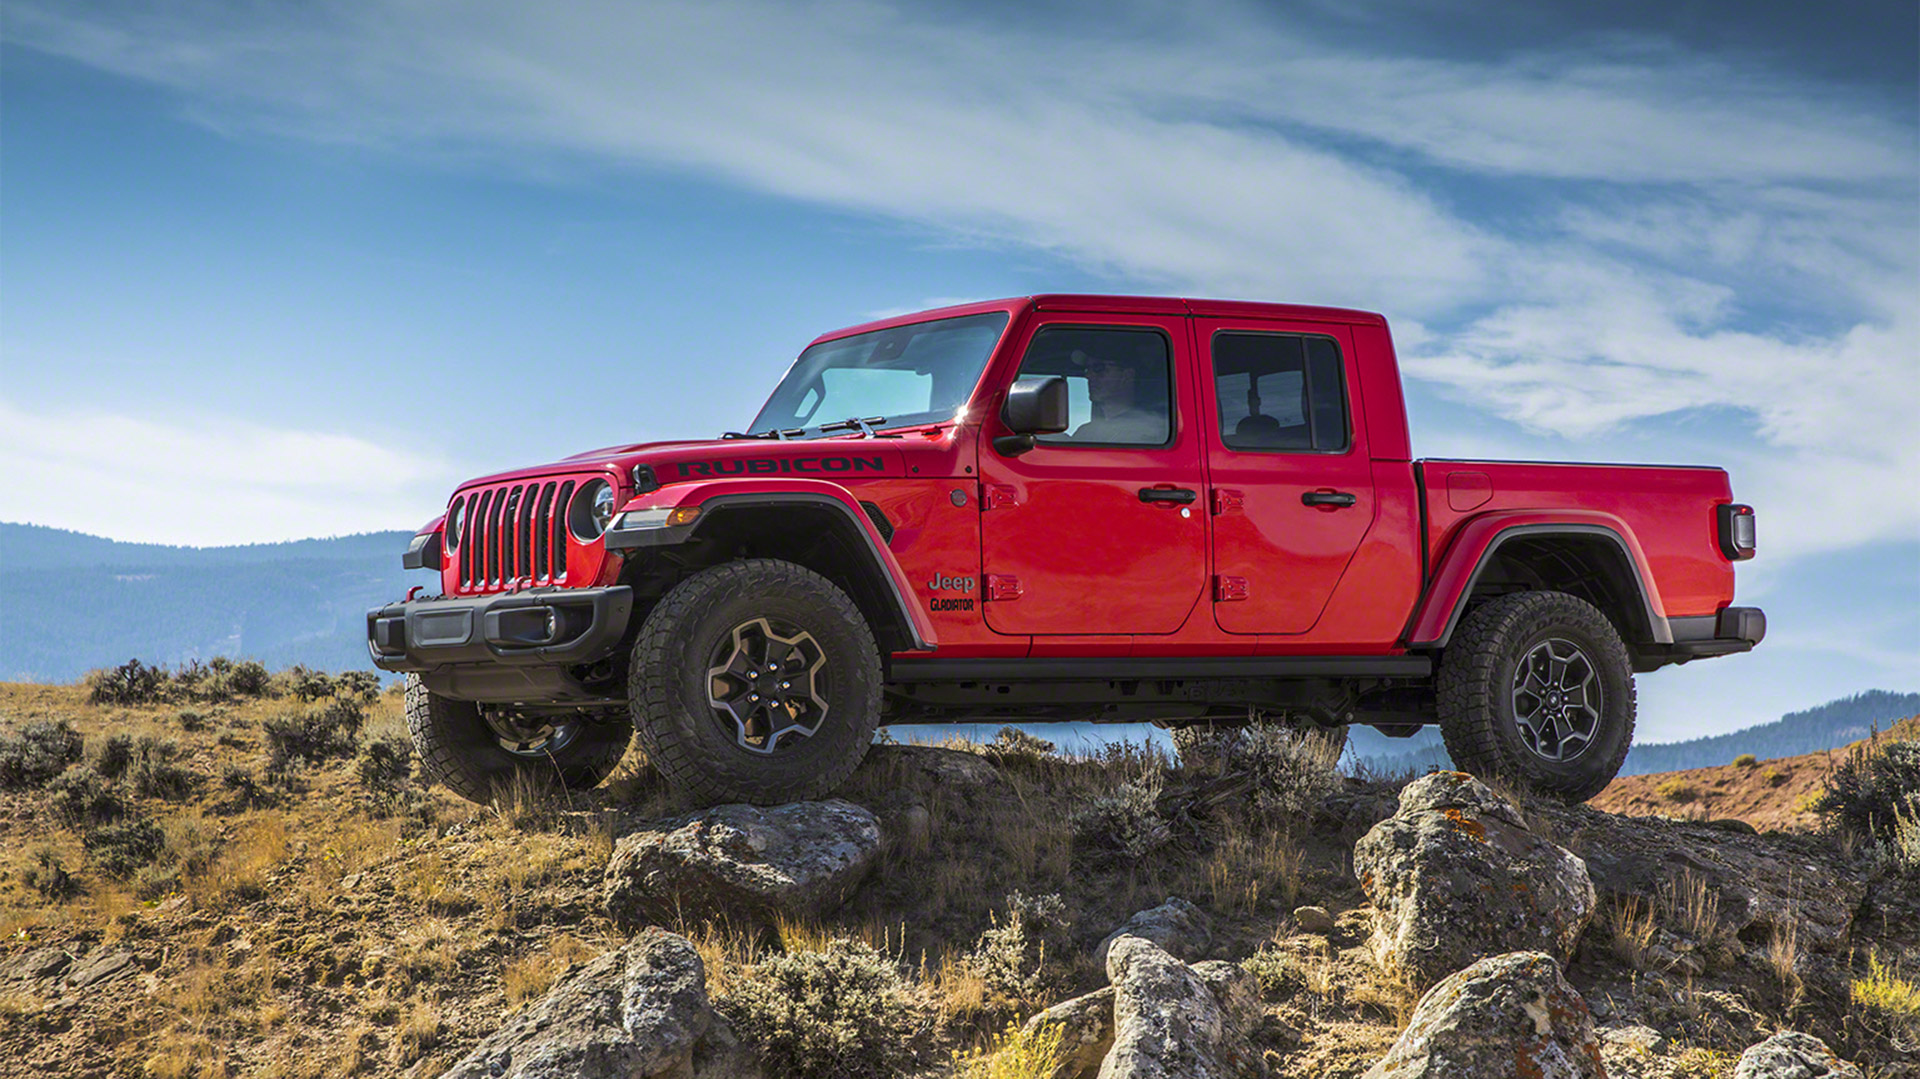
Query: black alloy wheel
(1538, 687)
(755, 681)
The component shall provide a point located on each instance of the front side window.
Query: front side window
(1280, 392)
(919, 373)
(1119, 383)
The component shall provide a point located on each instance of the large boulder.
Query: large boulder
(1792, 1055)
(742, 862)
(1761, 883)
(1177, 926)
(1456, 875)
(634, 1013)
(1168, 1023)
(1507, 1016)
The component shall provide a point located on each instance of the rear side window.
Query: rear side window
(1280, 391)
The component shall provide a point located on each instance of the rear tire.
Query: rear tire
(1537, 687)
(459, 748)
(756, 681)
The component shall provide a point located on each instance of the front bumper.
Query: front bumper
(538, 627)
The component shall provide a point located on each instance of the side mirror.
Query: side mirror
(1035, 406)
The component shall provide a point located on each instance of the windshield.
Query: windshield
(920, 373)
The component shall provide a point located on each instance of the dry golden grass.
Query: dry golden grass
(531, 975)
(1016, 1054)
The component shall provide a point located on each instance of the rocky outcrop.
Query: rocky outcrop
(1177, 926)
(742, 861)
(1510, 1015)
(1792, 1055)
(1456, 875)
(1761, 883)
(1168, 1022)
(1085, 1024)
(635, 1013)
(951, 767)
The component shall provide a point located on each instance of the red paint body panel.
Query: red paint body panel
(1667, 511)
(1103, 574)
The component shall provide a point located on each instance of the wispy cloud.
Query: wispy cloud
(1577, 240)
(208, 482)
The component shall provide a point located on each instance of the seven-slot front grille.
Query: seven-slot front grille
(515, 531)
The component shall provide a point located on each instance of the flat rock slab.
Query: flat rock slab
(1763, 883)
(34, 965)
(1183, 930)
(100, 966)
(1509, 1015)
(1456, 876)
(742, 862)
(634, 1013)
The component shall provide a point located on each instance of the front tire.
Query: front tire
(756, 681)
(1537, 686)
(476, 757)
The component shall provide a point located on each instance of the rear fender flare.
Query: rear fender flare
(1478, 543)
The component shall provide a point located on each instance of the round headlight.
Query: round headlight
(591, 510)
(456, 523)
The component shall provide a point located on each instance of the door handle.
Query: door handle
(1338, 499)
(1179, 496)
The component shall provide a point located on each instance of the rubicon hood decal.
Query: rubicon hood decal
(769, 466)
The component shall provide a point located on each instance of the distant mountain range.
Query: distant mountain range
(1827, 726)
(75, 602)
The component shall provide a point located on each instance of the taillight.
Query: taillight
(1737, 532)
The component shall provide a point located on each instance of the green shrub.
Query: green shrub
(48, 876)
(842, 1013)
(244, 792)
(191, 720)
(230, 679)
(1012, 743)
(41, 750)
(154, 773)
(1872, 791)
(362, 684)
(385, 768)
(1290, 771)
(1745, 760)
(313, 735)
(305, 683)
(1019, 957)
(133, 682)
(1125, 824)
(116, 754)
(121, 850)
(1677, 790)
(80, 796)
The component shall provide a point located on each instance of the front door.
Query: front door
(1102, 529)
(1292, 482)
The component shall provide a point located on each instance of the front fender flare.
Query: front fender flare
(725, 494)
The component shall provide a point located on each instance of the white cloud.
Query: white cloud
(205, 483)
(1696, 235)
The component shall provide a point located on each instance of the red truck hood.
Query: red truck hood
(673, 462)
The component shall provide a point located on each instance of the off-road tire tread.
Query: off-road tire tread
(470, 767)
(684, 763)
(1466, 690)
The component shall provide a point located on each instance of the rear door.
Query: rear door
(1102, 529)
(1292, 489)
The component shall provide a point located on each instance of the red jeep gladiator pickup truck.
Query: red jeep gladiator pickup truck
(1187, 512)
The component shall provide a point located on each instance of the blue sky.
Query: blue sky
(281, 270)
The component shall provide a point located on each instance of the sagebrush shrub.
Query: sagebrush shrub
(153, 772)
(306, 683)
(845, 1012)
(1290, 771)
(1125, 823)
(116, 754)
(48, 875)
(133, 682)
(313, 735)
(81, 796)
(1019, 957)
(121, 850)
(41, 750)
(1012, 743)
(1871, 792)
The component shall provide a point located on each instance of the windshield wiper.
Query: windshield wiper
(865, 427)
(782, 435)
